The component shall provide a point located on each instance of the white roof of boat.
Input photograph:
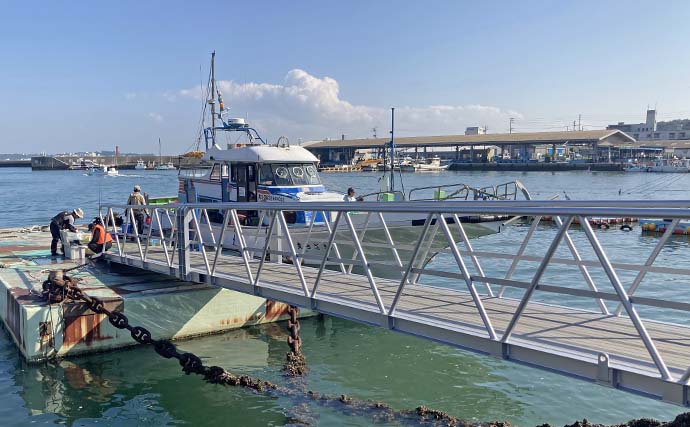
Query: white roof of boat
(262, 154)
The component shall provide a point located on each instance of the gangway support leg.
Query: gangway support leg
(295, 363)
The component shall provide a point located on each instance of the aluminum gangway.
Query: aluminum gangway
(364, 261)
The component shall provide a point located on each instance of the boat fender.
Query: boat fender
(626, 227)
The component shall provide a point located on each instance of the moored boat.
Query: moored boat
(252, 170)
(424, 165)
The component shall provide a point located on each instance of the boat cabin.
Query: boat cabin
(257, 173)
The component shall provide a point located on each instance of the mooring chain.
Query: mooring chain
(294, 340)
(59, 287)
(295, 363)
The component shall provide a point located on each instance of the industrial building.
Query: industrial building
(591, 145)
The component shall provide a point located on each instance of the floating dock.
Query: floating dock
(169, 308)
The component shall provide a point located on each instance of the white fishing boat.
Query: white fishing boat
(252, 170)
(166, 167)
(661, 166)
(140, 165)
(163, 166)
(109, 171)
(424, 165)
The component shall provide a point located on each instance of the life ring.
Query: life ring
(626, 227)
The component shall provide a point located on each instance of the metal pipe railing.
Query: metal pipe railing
(200, 245)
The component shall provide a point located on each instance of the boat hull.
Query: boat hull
(380, 254)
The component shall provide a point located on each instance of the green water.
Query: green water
(137, 387)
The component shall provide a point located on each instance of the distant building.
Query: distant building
(475, 130)
(650, 130)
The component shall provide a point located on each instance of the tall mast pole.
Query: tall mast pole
(392, 148)
(213, 97)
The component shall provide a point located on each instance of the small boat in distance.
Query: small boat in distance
(140, 165)
(166, 167)
(163, 166)
(110, 171)
(422, 165)
(662, 166)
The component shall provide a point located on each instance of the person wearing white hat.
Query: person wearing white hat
(136, 198)
(63, 221)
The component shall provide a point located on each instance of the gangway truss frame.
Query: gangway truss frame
(619, 348)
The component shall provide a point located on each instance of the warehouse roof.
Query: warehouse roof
(584, 137)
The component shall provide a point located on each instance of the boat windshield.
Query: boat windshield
(289, 174)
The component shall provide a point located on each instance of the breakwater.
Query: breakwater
(535, 167)
(122, 162)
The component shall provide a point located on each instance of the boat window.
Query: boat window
(225, 171)
(312, 176)
(282, 176)
(215, 172)
(295, 174)
(266, 177)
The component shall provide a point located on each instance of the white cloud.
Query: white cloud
(156, 117)
(130, 95)
(309, 107)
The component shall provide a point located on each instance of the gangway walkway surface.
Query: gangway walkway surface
(617, 348)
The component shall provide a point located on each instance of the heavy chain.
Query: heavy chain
(294, 340)
(60, 288)
(295, 363)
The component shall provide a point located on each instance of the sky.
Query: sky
(92, 75)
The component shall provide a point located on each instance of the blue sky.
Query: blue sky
(79, 75)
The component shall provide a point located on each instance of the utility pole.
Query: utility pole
(574, 128)
(512, 119)
(374, 130)
(579, 121)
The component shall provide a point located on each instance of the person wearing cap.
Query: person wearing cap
(136, 198)
(63, 221)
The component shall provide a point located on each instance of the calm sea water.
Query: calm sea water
(135, 387)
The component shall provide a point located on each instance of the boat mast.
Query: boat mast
(392, 149)
(212, 101)
(160, 152)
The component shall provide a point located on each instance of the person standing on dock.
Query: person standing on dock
(136, 198)
(63, 221)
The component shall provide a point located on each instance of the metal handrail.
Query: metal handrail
(279, 244)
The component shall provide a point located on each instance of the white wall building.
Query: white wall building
(475, 130)
(649, 131)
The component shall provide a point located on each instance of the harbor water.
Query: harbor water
(136, 387)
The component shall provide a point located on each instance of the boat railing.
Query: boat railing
(380, 196)
(360, 237)
(506, 191)
(438, 192)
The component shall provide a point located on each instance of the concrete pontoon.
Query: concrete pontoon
(169, 308)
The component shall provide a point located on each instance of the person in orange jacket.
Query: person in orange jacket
(100, 239)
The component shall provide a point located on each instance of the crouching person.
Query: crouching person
(101, 240)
